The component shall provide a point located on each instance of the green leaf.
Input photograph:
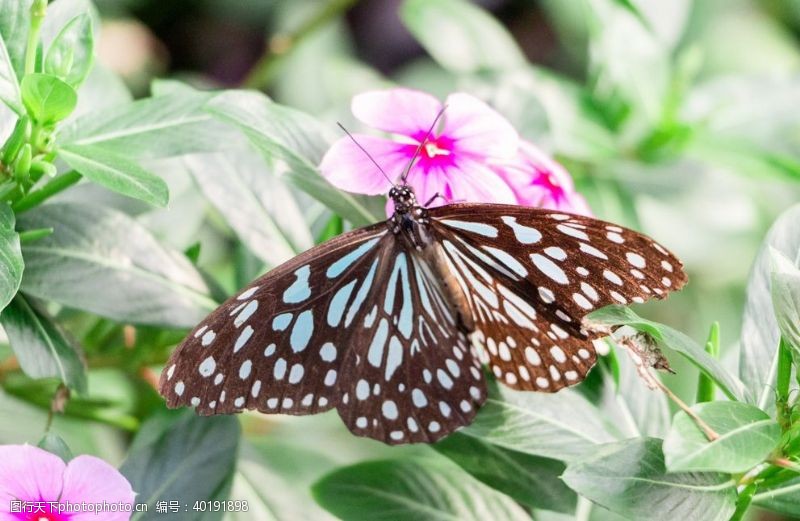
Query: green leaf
(255, 204)
(671, 339)
(14, 23)
(185, 458)
(115, 172)
(784, 498)
(9, 85)
(786, 299)
(629, 478)
(47, 98)
(274, 478)
(54, 444)
(42, 348)
(760, 331)
(411, 489)
(561, 426)
(747, 436)
(530, 480)
(296, 141)
(11, 263)
(71, 54)
(104, 262)
(475, 41)
(152, 128)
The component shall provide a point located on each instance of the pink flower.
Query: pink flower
(36, 477)
(474, 155)
(454, 163)
(537, 180)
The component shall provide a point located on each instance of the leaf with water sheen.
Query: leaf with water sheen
(747, 436)
(255, 204)
(9, 85)
(297, 141)
(71, 55)
(14, 23)
(411, 489)
(182, 457)
(104, 262)
(116, 172)
(786, 299)
(630, 479)
(475, 40)
(11, 263)
(671, 339)
(760, 331)
(47, 99)
(530, 480)
(41, 347)
(564, 425)
(151, 128)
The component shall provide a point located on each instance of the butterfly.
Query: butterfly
(392, 324)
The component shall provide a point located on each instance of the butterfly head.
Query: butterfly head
(403, 198)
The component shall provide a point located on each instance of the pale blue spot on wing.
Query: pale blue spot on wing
(508, 260)
(302, 331)
(400, 271)
(394, 357)
(281, 322)
(338, 267)
(524, 234)
(338, 304)
(472, 227)
(375, 354)
(363, 291)
(299, 290)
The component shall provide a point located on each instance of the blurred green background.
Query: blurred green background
(679, 120)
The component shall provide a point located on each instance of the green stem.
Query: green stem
(58, 184)
(38, 12)
(783, 378)
(281, 45)
(705, 385)
(743, 502)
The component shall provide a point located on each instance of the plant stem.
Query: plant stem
(56, 185)
(38, 12)
(743, 502)
(782, 378)
(705, 385)
(710, 433)
(281, 44)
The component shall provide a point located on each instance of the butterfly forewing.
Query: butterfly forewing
(529, 276)
(278, 345)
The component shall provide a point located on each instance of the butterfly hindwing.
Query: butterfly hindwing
(529, 277)
(411, 374)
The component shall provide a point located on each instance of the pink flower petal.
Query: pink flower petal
(477, 129)
(399, 111)
(93, 480)
(28, 473)
(475, 183)
(538, 180)
(347, 167)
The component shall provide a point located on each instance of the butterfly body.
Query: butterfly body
(392, 324)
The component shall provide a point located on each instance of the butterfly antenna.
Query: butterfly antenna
(421, 144)
(365, 152)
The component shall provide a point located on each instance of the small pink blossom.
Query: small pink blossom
(538, 180)
(454, 163)
(38, 478)
(474, 155)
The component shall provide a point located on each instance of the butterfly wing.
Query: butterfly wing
(277, 345)
(530, 275)
(356, 323)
